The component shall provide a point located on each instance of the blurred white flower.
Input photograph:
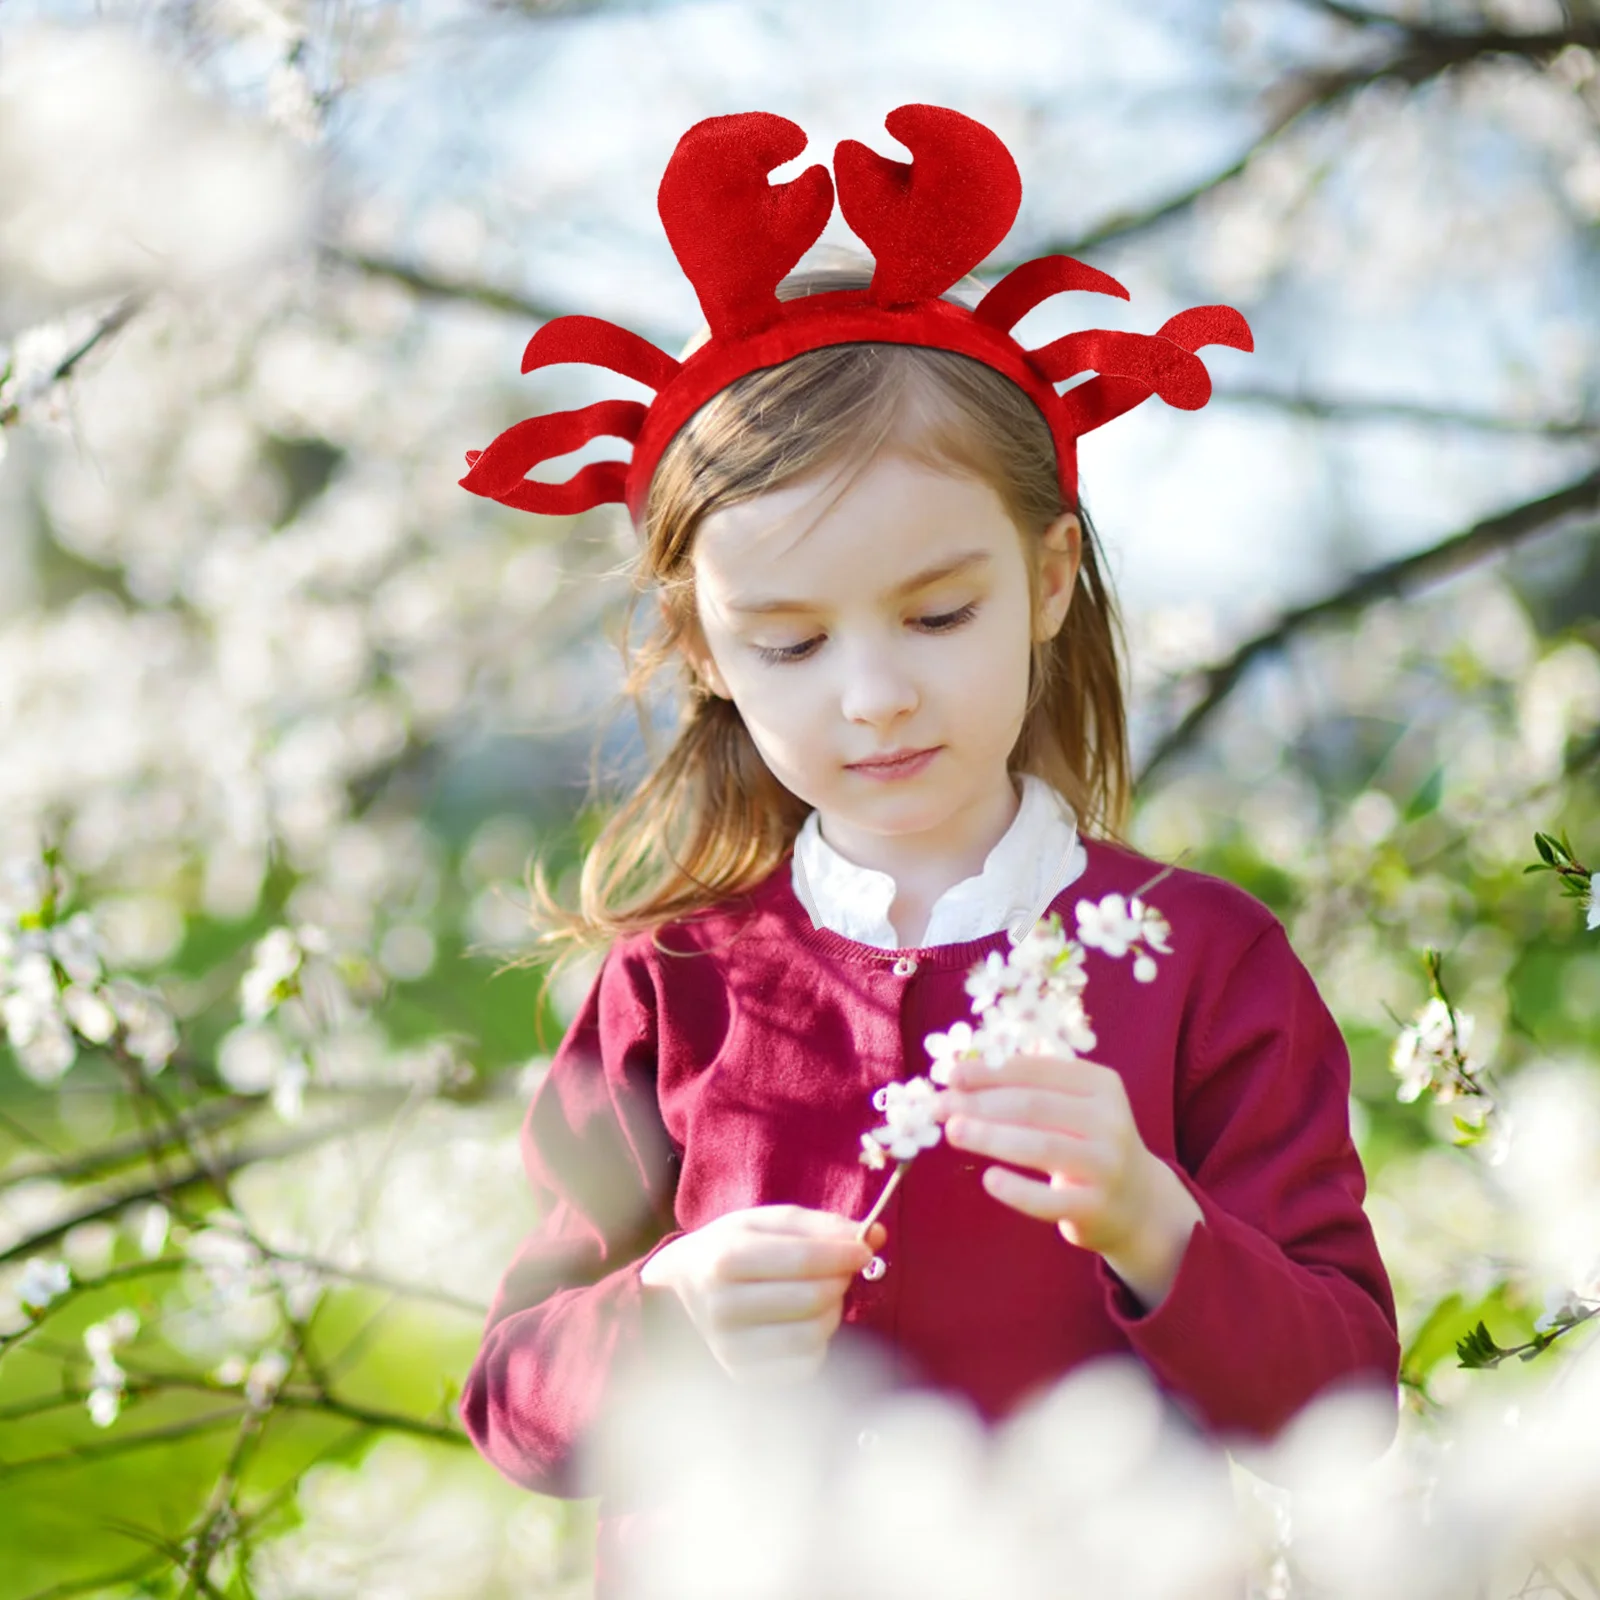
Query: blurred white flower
(1591, 902)
(107, 1378)
(1433, 1052)
(872, 1153)
(275, 965)
(1108, 925)
(265, 1378)
(88, 1013)
(988, 981)
(105, 1403)
(150, 1033)
(41, 1282)
(165, 185)
(945, 1049)
(909, 1123)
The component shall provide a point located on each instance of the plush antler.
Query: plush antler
(734, 233)
(931, 220)
(500, 472)
(1105, 398)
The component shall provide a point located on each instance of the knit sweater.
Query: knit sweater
(730, 1061)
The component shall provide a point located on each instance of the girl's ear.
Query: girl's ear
(1060, 551)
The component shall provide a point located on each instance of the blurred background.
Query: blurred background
(266, 271)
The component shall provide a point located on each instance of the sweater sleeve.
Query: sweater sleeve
(571, 1308)
(1281, 1292)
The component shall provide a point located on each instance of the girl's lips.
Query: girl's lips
(906, 767)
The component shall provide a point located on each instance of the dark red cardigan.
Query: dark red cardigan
(735, 1067)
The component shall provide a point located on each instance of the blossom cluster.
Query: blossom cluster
(1434, 1053)
(1028, 1002)
(55, 991)
(107, 1380)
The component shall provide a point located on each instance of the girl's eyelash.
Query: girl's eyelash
(945, 622)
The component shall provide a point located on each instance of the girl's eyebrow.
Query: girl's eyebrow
(919, 580)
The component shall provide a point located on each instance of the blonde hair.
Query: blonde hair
(710, 820)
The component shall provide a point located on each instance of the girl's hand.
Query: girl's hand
(765, 1286)
(1103, 1188)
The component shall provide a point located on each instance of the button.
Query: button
(905, 966)
(880, 1099)
(874, 1269)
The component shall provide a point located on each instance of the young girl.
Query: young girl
(904, 744)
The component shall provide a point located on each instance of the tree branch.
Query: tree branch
(1450, 556)
(234, 1161)
(123, 1444)
(1327, 409)
(110, 323)
(1417, 57)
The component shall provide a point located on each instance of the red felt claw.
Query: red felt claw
(1104, 399)
(735, 234)
(1178, 376)
(601, 344)
(1034, 282)
(1203, 325)
(500, 472)
(931, 220)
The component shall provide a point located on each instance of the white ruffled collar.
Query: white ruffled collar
(1036, 858)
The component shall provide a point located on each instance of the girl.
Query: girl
(904, 743)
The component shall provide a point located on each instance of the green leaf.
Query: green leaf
(1545, 845)
(1426, 800)
(1478, 1350)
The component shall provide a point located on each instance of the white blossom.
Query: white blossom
(872, 1154)
(909, 1121)
(41, 1282)
(105, 1403)
(107, 1378)
(88, 1013)
(989, 980)
(274, 966)
(150, 1032)
(1108, 925)
(1154, 930)
(265, 1378)
(1591, 902)
(945, 1049)
(1434, 1052)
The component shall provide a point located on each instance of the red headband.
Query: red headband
(928, 222)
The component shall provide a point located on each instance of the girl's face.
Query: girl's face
(875, 634)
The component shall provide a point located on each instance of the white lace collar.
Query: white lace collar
(1037, 857)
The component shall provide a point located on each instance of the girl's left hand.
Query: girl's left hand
(1103, 1187)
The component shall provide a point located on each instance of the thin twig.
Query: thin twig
(1448, 557)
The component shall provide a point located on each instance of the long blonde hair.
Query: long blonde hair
(710, 820)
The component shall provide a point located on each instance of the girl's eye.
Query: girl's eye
(788, 652)
(945, 622)
(949, 619)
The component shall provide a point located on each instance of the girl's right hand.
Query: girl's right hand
(765, 1286)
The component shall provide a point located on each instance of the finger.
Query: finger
(760, 1258)
(1069, 1203)
(799, 1221)
(775, 1342)
(749, 1305)
(1044, 1149)
(1034, 1108)
(1067, 1075)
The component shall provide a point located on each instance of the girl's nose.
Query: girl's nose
(877, 689)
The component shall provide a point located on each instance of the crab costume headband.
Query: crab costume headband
(928, 223)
